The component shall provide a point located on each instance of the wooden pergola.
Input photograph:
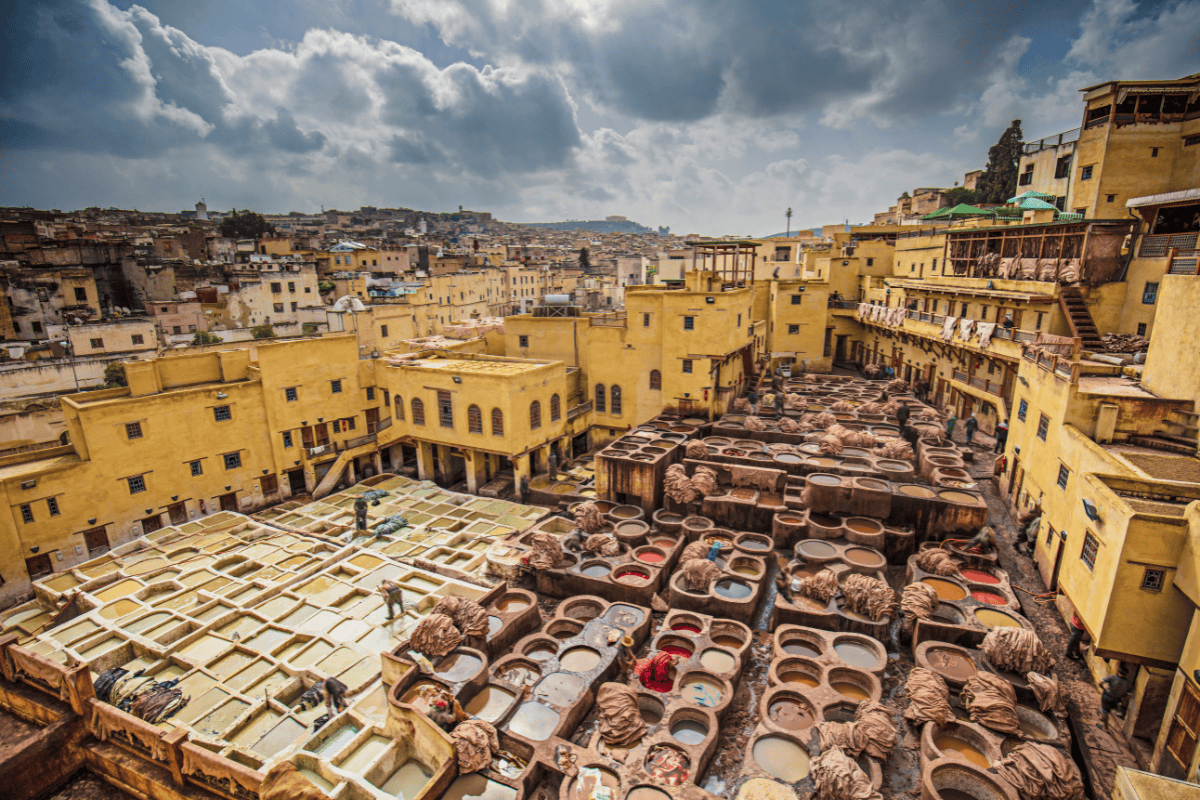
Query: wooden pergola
(733, 260)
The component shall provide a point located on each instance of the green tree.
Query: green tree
(114, 376)
(960, 195)
(309, 328)
(204, 337)
(245, 225)
(999, 181)
(585, 259)
(263, 331)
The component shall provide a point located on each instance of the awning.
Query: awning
(1167, 197)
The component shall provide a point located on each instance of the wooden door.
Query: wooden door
(296, 481)
(178, 513)
(322, 433)
(96, 541)
(151, 523)
(306, 436)
(229, 502)
(38, 565)
(372, 420)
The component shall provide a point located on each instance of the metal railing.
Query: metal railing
(320, 450)
(1157, 246)
(575, 411)
(359, 441)
(1066, 137)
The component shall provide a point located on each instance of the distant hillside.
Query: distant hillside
(795, 232)
(595, 225)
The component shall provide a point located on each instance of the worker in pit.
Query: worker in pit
(335, 696)
(360, 513)
(983, 542)
(1113, 691)
(393, 596)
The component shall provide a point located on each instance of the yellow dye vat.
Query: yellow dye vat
(61, 583)
(268, 640)
(268, 685)
(100, 648)
(258, 725)
(362, 756)
(118, 589)
(220, 719)
(202, 705)
(227, 665)
(252, 673)
(316, 650)
(75, 632)
(242, 626)
(275, 606)
(204, 648)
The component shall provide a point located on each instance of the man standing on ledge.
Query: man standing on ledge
(360, 513)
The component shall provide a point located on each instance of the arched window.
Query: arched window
(474, 419)
(655, 381)
(600, 397)
(614, 395)
(418, 411)
(535, 415)
(399, 408)
(555, 408)
(497, 422)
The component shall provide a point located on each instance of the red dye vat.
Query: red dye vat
(991, 598)
(631, 576)
(979, 576)
(686, 627)
(650, 558)
(676, 650)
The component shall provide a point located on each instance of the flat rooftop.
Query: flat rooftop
(470, 365)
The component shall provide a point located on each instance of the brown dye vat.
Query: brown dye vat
(824, 520)
(959, 497)
(727, 641)
(743, 493)
(791, 520)
(625, 512)
(825, 480)
(946, 590)
(952, 745)
(512, 605)
(457, 667)
(917, 491)
(647, 793)
(801, 678)
(733, 590)
(816, 549)
(799, 647)
(663, 542)
(951, 663)
(534, 721)
(788, 458)
(790, 714)
(850, 690)
(862, 557)
(559, 689)
(651, 710)
(489, 703)
(861, 525)
(856, 655)
(518, 674)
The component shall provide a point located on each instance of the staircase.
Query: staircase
(1180, 436)
(1078, 318)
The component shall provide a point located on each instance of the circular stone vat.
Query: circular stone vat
(798, 671)
(961, 742)
(668, 764)
(512, 603)
(541, 649)
(559, 689)
(1035, 725)
(824, 479)
(631, 575)
(584, 785)
(651, 709)
(579, 659)
(722, 538)
(676, 646)
(864, 525)
(850, 684)
(626, 512)
(947, 590)
(991, 598)
(732, 589)
(951, 662)
(979, 576)
(790, 711)
(518, 672)
(631, 530)
(667, 521)
(912, 490)
(816, 550)
(731, 637)
(647, 793)
(865, 557)
(964, 498)
(948, 613)
(781, 757)
(716, 660)
(649, 555)
(595, 569)
(689, 727)
(701, 690)
(994, 618)
(663, 542)
(748, 567)
(859, 653)
(697, 523)
(564, 628)
(581, 608)
(798, 644)
(687, 624)
(960, 782)
(754, 543)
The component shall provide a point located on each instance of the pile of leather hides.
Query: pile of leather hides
(698, 574)
(603, 544)
(547, 551)
(285, 782)
(696, 449)
(872, 732)
(1048, 692)
(754, 424)
(928, 698)
(1041, 772)
(821, 586)
(1016, 650)
(937, 561)
(868, 596)
(837, 777)
(589, 518)
(469, 617)
(621, 723)
(992, 703)
(435, 636)
(475, 741)
(918, 601)
(678, 486)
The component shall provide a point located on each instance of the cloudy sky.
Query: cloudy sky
(711, 116)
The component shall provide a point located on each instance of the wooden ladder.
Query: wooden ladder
(1078, 317)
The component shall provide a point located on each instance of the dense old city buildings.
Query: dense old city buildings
(198, 415)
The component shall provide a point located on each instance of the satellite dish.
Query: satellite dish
(349, 303)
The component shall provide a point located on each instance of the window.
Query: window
(535, 415)
(337, 426)
(292, 287)
(614, 400)
(739, 322)
(1109, 198)
(645, 320)
(383, 331)
(1141, 329)
(176, 329)
(1185, 726)
(1062, 167)
(793, 329)
(371, 393)
(97, 344)
(295, 306)
(37, 326)
(418, 411)
(133, 430)
(278, 307)
(445, 410)
(1022, 410)
(37, 566)
(335, 386)
(1191, 141)
(26, 513)
(497, 422)
(870, 262)
(1026, 176)
(1091, 546)
(136, 484)
(52, 504)
(1150, 293)
(287, 439)
(1154, 152)
(276, 288)
(687, 365)
(555, 408)
(1049, 535)
(1085, 173)
(137, 339)
(600, 397)
(291, 394)
(269, 484)
(232, 460)
(474, 419)
(1064, 475)
(1043, 426)
(655, 381)
(221, 414)
(523, 341)
(80, 294)
(689, 323)
(796, 298)
(399, 408)
(1153, 579)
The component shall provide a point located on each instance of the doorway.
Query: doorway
(229, 501)
(372, 420)
(839, 351)
(96, 541)
(178, 513)
(1058, 556)
(322, 432)
(296, 481)
(151, 524)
